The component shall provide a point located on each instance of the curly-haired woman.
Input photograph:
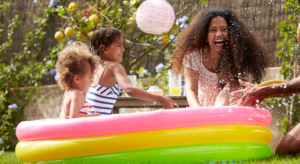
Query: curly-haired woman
(215, 51)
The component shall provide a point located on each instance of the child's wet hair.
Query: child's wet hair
(72, 61)
(103, 37)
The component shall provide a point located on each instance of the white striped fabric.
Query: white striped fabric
(102, 99)
(85, 107)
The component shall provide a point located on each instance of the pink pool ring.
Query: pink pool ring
(49, 129)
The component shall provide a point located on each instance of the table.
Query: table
(130, 102)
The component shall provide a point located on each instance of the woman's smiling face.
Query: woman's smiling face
(217, 34)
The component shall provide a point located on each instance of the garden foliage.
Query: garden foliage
(20, 73)
(289, 51)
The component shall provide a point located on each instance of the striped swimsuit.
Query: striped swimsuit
(102, 98)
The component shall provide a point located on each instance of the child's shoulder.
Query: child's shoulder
(115, 65)
(74, 94)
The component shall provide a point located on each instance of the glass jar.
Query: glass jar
(174, 84)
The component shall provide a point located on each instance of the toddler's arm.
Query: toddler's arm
(77, 102)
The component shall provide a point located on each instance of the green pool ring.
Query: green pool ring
(203, 153)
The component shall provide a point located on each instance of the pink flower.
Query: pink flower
(86, 12)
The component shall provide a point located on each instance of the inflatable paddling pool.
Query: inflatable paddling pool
(188, 135)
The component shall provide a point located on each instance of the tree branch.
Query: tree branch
(152, 48)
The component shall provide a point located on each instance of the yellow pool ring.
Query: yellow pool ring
(34, 151)
(272, 82)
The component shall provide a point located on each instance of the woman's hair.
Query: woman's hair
(103, 37)
(72, 61)
(242, 52)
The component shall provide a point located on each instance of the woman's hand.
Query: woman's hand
(223, 97)
(252, 97)
(237, 95)
(167, 103)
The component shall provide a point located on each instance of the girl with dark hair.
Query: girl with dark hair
(110, 77)
(216, 50)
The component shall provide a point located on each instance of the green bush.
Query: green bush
(20, 75)
(289, 52)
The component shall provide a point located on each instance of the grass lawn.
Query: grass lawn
(10, 158)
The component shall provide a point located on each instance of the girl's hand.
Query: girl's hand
(167, 103)
(237, 95)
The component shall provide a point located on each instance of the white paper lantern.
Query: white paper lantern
(155, 16)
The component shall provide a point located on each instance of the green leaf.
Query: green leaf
(61, 12)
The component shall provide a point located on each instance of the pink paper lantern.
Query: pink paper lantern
(155, 16)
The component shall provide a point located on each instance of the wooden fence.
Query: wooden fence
(261, 17)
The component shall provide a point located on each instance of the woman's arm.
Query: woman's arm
(191, 85)
(223, 97)
(137, 92)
